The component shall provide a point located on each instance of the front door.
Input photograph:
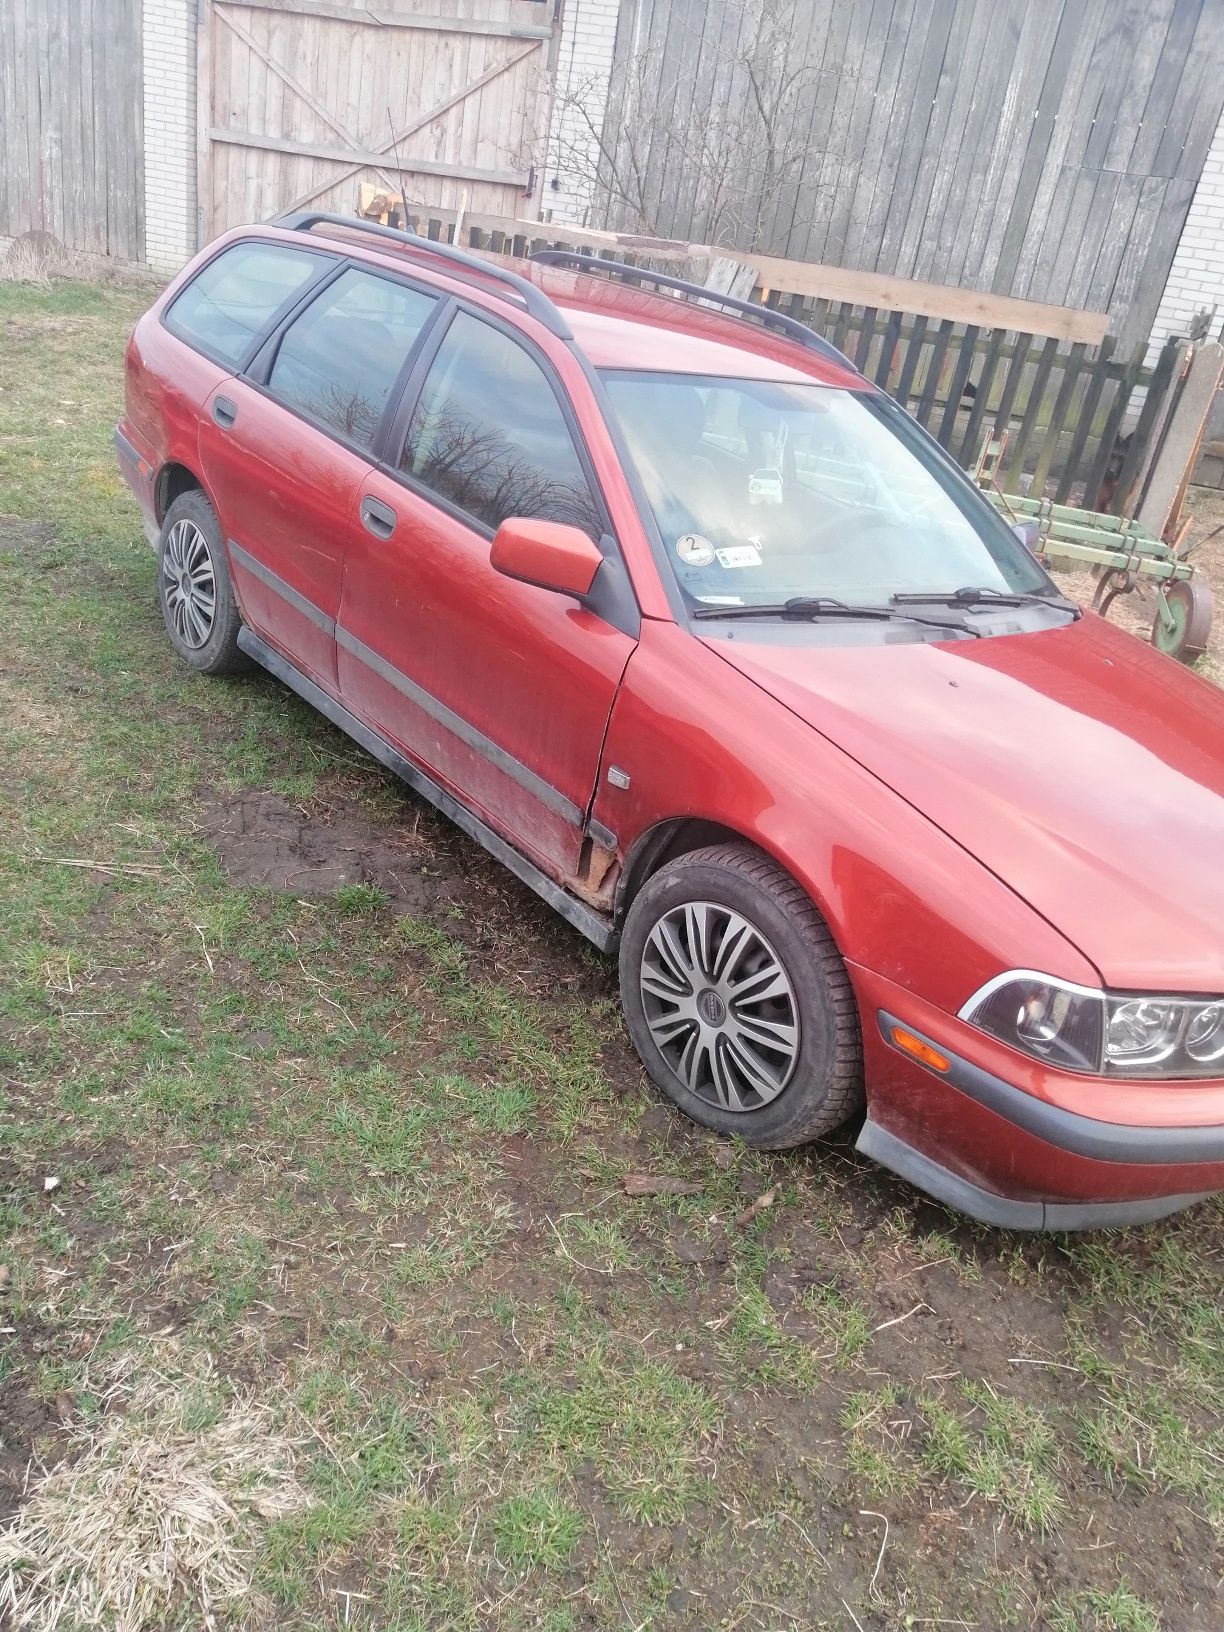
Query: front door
(500, 689)
(285, 451)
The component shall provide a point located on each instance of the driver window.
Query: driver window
(488, 434)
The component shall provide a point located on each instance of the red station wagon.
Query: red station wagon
(708, 642)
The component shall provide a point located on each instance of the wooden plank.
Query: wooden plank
(892, 332)
(868, 202)
(866, 335)
(8, 120)
(981, 402)
(913, 354)
(866, 42)
(939, 351)
(1072, 374)
(1071, 23)
(1018, 448)
(972, 158)
(1150, 22)
(1140, 299)
(956, 388)
(1164, 87)
(925, 205)
(205, 204)
(962, 136)
(1113, 425)
(383, 16)
(1133, 256)
(929, 299)
(922, 103)
(341, 155)
(1084, 418)
(802, 212)
(1022, 357)
(983, 232)
(1180, 445)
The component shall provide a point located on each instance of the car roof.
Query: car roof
(619, 325)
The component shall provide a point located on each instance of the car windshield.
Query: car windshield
(766, 491)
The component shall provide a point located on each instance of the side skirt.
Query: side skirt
(592, 924)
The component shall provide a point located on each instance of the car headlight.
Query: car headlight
(1080, 1028)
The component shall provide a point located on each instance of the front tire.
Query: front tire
(738, 1001)
(193, 581)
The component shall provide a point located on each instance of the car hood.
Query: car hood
(1083, 768)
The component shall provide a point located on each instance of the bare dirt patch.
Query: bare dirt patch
(423, 866)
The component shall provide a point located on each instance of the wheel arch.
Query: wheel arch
(172, 481)
(678, 836)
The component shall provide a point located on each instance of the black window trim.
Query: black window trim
(237, 367)
(259, 366)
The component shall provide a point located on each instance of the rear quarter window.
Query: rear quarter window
(233, 300)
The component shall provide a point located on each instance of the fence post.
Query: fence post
(1172, 465)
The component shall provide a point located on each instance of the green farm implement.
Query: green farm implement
(1120, 553)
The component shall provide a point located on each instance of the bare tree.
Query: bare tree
(626, 146)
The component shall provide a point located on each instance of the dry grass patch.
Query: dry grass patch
(155, 1508)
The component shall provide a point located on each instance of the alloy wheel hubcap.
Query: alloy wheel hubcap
(190, 583)
(720, 1006)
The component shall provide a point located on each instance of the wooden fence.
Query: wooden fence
(72, 123)
(1082, 419)
(1042, 148)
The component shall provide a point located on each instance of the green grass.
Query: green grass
(371, 1163)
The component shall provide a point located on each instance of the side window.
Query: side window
(228, 305)
(489, 435)
(338, 360)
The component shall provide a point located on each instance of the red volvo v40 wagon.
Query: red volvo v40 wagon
(710, 644)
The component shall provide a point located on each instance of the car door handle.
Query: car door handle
(224, 412)
(378, 518)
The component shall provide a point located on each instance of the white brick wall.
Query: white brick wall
(170, 132)
(1196, 278)
(584, 65)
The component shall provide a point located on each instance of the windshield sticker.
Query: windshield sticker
(694, 550)
(739, 555)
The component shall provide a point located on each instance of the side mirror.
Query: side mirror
(549, 554)
(1028, 532)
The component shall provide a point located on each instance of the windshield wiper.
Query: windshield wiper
(810, 607)
(975, 595)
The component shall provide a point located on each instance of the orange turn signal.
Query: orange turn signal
(906, 1041)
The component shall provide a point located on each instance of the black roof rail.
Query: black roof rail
(532, 296)
(766, 314)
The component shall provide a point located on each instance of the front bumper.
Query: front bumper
(1110, 1153)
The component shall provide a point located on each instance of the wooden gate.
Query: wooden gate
(302, 100)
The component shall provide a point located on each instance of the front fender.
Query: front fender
(699, 741)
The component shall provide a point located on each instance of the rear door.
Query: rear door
(501, 689)
(286, 447)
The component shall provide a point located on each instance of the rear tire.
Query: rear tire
(738, 1001)
(194, 587)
